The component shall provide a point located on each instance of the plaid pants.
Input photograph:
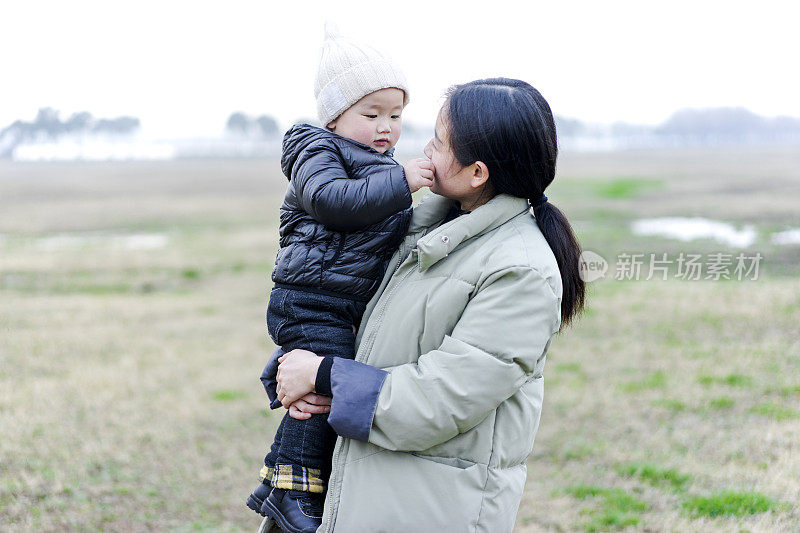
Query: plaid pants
(293, 477)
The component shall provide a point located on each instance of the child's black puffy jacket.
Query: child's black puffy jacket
(346, 210)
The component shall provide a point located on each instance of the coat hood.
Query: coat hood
(301, 136)
(296, 140)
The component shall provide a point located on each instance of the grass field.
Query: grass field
(132, 299)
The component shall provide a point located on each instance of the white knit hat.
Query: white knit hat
(348, 71)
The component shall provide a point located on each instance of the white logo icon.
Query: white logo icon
(592, 266)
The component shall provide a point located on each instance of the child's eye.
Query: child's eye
(395, 117)
(371, 116)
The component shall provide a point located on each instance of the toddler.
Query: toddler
(347, 208)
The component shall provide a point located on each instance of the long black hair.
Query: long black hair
(508, 125)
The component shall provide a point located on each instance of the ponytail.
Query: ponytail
(567, 250)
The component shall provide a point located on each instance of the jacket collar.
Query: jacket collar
(447, 237)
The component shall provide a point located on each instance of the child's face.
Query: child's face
(374, 120)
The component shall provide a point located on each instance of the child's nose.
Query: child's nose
(384, 127)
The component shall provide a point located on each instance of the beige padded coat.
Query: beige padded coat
(435, 432)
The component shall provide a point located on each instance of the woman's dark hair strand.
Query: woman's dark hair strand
(508, 125)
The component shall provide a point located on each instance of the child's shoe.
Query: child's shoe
(256, 500)
(295, 511)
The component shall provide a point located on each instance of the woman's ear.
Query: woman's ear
(480, 174)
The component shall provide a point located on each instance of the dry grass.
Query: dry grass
(129, 398)
(605, 411)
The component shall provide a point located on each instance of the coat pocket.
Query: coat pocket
(397, 492)
(455, 462)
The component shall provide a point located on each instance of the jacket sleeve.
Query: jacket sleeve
(344, 203)
(496, 346)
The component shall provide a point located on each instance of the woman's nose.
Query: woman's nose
(428, 151)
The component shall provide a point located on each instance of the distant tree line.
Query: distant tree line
(706, 124)
(693, 126)
(48, 126)
(726, 122)
(247, 126)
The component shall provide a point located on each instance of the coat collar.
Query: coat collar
(444, 239)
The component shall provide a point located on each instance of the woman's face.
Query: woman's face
(450, 179)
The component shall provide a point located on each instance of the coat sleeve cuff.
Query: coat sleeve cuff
(355, 388)
(269, 378)
(322, 384)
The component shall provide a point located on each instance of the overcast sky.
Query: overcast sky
(183, 66)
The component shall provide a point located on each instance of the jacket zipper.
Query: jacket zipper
(336, 458)
(374, 332)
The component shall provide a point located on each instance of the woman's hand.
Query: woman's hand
(297, 374)
(310, 404)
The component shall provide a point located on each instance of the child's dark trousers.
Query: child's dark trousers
(300, 456)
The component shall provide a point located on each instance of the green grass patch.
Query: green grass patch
(617, 509)
(95, 290)
(729, 503)
(671, 404)
(655, 475)
(568, 367)
(656, 380)
(776, 411)
(732, 380)
(737, 380)
(723, 402)
(190, 273)
(229, 395)
(787, 391)
(581, 451)
(625, 187)
(68, 287)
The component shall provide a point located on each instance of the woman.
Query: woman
(438, 411)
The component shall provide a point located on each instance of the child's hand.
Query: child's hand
(419, 173)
